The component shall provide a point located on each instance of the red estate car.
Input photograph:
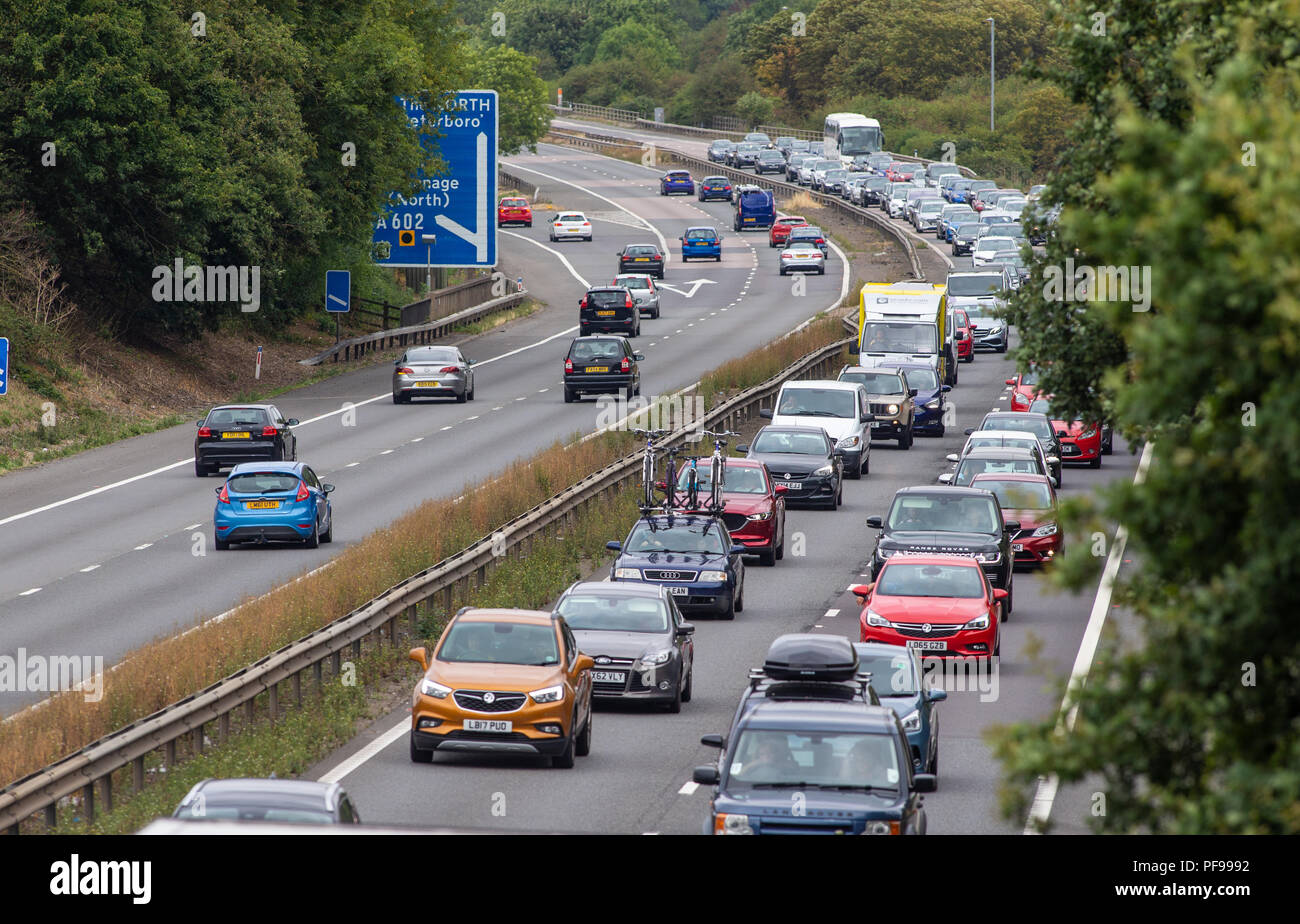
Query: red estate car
(1030, 500)
(1080, 441)
(962, 335)
(514, 211)
(937, 604)
(755, 509)
(781, 228)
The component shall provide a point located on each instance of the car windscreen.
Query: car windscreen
(817, 402)
(772, 759)
(791, 441)
(589, 351)
(968, 229)
(971, 467)
(904, 579)
(983, 284)
(997, 243)
(684, 539)
(230, 418)
(930, 206)
(836, 174)
(606, 298)
(262, 483)
(736, 479)
(614, 613)
(1035, 425)
(878, 383)
(891, 675)
(944, 513)
(923, 380)
(500, 643)
(1019, 495)
(899, 337)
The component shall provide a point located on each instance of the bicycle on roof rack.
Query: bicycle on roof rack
(648, 465)
(717, 475)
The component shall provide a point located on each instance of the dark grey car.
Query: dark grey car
(642, 647)
(804, 460)
(234, 433)
(269, 800)
(433, 372)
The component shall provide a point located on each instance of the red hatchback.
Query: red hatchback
(1031, 501)
(900, 172)
(962, 336)
(514, 211)
(1080, 442)
(781, 228)
(755, 509)
(1024, 390)
(937, 605)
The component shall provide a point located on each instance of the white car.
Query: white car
(997, 439)
(925, 217)
(987, 246)
(571, 224)
(842, 409)
(897, 200)
(803, 258)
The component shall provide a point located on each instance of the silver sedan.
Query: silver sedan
(433, 372)
(803, 258)
(643, 291)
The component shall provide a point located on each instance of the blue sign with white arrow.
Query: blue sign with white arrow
(452, 221)
(338, 290)
(4, 365)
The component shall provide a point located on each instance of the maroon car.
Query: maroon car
(755, 509)
(1031, 500)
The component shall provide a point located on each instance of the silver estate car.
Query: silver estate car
(433, 372)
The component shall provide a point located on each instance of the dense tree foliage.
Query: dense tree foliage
(1184, 165)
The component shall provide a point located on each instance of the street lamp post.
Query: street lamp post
(991, 71)
(429, 240)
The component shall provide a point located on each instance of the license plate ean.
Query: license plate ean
(488, 725)
(679, 591)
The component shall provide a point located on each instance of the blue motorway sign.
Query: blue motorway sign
(338, 290)
(459, 208)
(4, 365)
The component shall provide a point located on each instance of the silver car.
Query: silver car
(803, 258)
(433, 372)
(643, 291)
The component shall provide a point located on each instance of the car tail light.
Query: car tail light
(224, 496)
(586, 224)
(568, 365)
(302, 491)
(405, 370)
(625, 365)
(446, 370)
(270, 431)
(205, 432)
(628, 303)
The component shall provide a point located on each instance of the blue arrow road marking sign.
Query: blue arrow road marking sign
(456, 207)
(338, 290)
(4, 365)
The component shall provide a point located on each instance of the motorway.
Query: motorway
(111, 548)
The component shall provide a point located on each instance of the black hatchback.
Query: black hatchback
(641, 258)
(601, 364)
(235, 433)
(609, 310)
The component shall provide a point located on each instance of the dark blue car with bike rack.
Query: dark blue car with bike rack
(689, 553)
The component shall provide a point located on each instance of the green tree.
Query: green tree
(523, 116)
(640, 39)
(754, 108)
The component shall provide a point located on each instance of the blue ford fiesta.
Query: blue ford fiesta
(676, 181)
(273, 502)
(701, 241)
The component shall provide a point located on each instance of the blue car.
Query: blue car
(898, 679)
(273, 502)
(693, 555)
(701, 242)
(676, 181)
(929, 401)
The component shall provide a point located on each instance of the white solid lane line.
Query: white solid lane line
(1045, 794)
(367, 752)
(562, 258)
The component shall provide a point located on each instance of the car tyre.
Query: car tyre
(420, 755)
(328, 535)
(731, 610)
(780, 548)
(905, 441)
(768, 558)
(655, 313)
(221, 544)
(855, 471)
(313, 541)
(1095, 463)
(740, 599)
(568, 395)
(783, 273)
(583, 747)
(688, 691)
(674, 705)
(462, 397)
(1009, 604)
(1003, 348)
(564, 760)
(200, 470)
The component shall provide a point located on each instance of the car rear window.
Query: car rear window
(1035, 425)
(701, 234)
(633, 282)
(262, 483)
(585, 351)
(972, 467)
(432, 355)
(514, 203)
(571, 216)
(901, 579)
(606, 298)
(642, 250)
(803, 444)
(500, 643)
(679, 175)
(738, 480)
(230, 418)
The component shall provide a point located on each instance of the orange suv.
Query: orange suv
(506, 682)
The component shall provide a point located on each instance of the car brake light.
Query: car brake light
(224, 496)
(302, 491)
(270, 431)
(568, 365)
(205, 432)
(625, 365)
(586, 224)
(449, 369)
(628, 303)
(406, 370)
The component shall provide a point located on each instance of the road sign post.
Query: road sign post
(456, 208)
(4, 365)
(258, 373)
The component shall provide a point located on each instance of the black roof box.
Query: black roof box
(827, 658)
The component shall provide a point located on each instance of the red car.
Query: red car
(900, 172)
(1025, 390)
(1080, 442)
(936, 604)
(755, 510)
(1031, 501)
(962, 336)
(781, 229)
(514, 211)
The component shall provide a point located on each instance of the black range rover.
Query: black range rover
(948, 521)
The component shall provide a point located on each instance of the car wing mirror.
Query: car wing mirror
(614, 546)
(292, 421)
(936, 694)
(686, 628)
(876, 522)
(327, 488)
(911, 392)
(1012, 525)
(638, 356)
(713, 741)
(706, 776)
(420, 656)
(765, 413)
(742, 447)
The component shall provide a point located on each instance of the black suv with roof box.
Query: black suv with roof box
(945, 520)
(609, 310)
